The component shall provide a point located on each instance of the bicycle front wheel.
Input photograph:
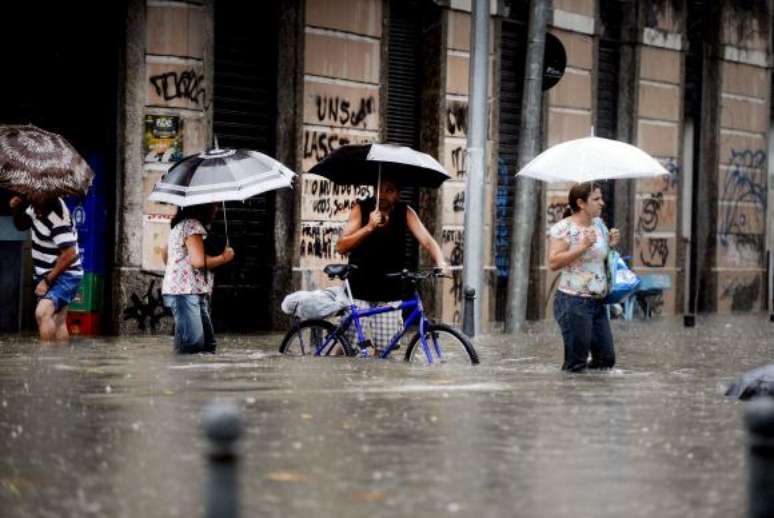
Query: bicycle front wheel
(446, 345)
(308, 336)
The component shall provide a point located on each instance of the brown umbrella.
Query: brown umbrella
(41, 164)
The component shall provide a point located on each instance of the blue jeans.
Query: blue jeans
(193, 327)
(585, 329)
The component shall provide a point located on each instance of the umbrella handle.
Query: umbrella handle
(378, 185)
(225, 221)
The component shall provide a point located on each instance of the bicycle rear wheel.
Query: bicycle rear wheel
(305, 338)
(446, 344)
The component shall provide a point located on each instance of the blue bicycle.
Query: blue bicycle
(432, 342)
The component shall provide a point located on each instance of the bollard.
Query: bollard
(468, 314)
(223, 428)
(759, 418)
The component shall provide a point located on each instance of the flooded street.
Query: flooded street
(112, 427)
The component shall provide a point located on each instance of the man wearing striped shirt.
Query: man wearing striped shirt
(56, 261)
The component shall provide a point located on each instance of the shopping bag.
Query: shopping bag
(620, 279)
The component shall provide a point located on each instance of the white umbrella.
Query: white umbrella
(592, 158)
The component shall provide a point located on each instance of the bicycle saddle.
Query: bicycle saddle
(339, 270)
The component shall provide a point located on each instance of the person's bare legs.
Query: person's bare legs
(60, 319)
(47, 325)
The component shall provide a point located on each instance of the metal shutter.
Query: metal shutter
(513, 49)
(403, 94)
(606, 124)
(244, 110)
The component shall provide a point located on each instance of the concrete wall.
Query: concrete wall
(569, 109)
(341, 105)
(168, 80)
(740, 240)
(658, 130)
(453, 151)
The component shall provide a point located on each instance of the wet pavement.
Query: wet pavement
(112, 427)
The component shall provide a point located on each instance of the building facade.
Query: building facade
(687, 81)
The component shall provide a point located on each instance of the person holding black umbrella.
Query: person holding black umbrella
(374, 239)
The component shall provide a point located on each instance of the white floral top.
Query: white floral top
(180, 278)
(587, 275)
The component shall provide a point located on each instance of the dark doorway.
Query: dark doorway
(244, 114)
(61, 73)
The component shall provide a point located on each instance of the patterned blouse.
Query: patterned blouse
(180, 278)
(587, 275)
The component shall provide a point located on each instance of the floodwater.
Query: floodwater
(113, 427)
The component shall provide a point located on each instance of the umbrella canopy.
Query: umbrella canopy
(41, 164)
(221, 175)
(360, 164)
(592, 158)
(754, 383)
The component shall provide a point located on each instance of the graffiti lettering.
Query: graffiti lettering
(459, 160)
(744, 188)
(658, 253)
(648, 220)
(318, 145)
(453, 238)
(147, 310)
(459, 202)
(186, 85)
(320, 242)
(340, 111)
(456, 117)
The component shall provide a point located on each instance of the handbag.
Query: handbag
(214, 244)
(621, 280)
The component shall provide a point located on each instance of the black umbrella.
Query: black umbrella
(41, 164)
(754, 383)
(361, 164)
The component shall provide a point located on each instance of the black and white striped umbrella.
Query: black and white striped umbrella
(361, 164)
(220, 175)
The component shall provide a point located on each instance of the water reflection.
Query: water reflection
(112, 427)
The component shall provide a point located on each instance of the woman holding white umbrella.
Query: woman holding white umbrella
(579, 244)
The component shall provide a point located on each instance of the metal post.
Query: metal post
(468, 320)
(223, 428)
(473, 254)
(759, 418)
(686, 201)
(529, 143)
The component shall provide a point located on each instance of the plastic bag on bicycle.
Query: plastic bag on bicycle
(315, 304)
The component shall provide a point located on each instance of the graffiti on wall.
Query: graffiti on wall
(452, 243)
(147, 310)
(324, 200)
(186, 84)
(459, 160)
(342, 111)
(741, 295)
(741, 224)
(655, 253)
(456, 118)
(318, 242)
(648, 218)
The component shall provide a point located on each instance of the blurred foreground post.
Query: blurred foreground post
(223, 428)
(759, 418)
